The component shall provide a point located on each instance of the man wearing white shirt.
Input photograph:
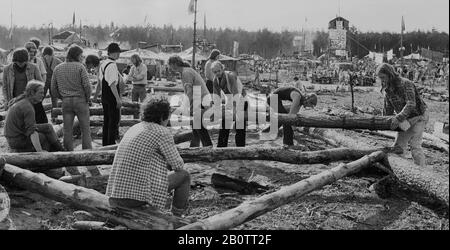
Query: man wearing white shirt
(110, 77)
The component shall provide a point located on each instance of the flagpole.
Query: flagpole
(11, 31)
(195, 34)
(401, 43)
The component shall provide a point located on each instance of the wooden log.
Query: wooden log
(418, 179)
(89, 225)
(89, 200)
(325, 121)
(45, 161)
(421, 178)
(165, 89)
(428, 142)
(98, 111)
(241, 186)
(252, 209)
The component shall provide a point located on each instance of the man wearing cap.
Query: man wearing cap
(209, 75)
(110, 77)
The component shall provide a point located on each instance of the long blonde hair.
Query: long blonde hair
(31, 89)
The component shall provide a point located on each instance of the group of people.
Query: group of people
(147, 164)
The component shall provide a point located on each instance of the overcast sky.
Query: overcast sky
(276, 15)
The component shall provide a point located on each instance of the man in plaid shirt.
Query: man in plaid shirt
(404, 101)
(147, 152)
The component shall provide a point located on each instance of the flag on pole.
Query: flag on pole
(403, 24)
(73, 19)
(191, 8)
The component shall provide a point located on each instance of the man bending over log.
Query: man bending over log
(140, 175)
(298, 100)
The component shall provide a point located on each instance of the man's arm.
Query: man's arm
(5, 87)
(410, 102)
(35, 141)
(170, 153)
(141, 75)
(86, 84)
(296, 105)
(54, 91)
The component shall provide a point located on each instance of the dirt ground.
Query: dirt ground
(346, 204)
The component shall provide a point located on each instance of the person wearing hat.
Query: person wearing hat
(209, 75)
(110, 79)
(298, 100)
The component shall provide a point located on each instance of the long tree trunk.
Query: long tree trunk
(325, 121)
(428, 142)
(420, 179)
(165, 89)
(252, 209)
(88, 200)
(99, 111)
(45, 161)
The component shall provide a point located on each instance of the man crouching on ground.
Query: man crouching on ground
(140, 175)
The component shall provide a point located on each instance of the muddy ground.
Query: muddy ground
(345, 204)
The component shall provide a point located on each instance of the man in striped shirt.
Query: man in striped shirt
(140, 175)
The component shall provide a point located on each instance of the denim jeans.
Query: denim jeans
(71, 107)
(201, 134)
(288, 132)
(179, 182)
(224, 133)
(413, 136)
(138, 94)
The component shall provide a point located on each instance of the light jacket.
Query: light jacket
(32, 73)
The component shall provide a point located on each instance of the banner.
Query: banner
(338, 39)
(191, 8)
(390, 54)
(432, 55)
(379, 58)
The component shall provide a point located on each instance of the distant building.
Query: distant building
(337, 30)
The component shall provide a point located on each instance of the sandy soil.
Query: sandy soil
(346, 204)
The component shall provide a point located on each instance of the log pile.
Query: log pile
(433, 94)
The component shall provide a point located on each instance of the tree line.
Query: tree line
(263, 42)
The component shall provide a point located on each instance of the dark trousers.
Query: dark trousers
(224, 133)
(40, 115)
(288, 133)
(209, 85)
(200, 135)
(111, 121)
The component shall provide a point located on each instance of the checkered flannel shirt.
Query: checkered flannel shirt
(141, 164)
(70, 79)
(405, 100)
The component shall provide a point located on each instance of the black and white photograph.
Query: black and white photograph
(234, 116)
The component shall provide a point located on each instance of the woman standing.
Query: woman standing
(404, 101)
(190, 79)
(138, 77)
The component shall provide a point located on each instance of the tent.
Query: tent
(413, 57)
(147, 56)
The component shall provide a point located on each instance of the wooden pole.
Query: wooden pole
(45, 161)
(88, 200)
(251, 209)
